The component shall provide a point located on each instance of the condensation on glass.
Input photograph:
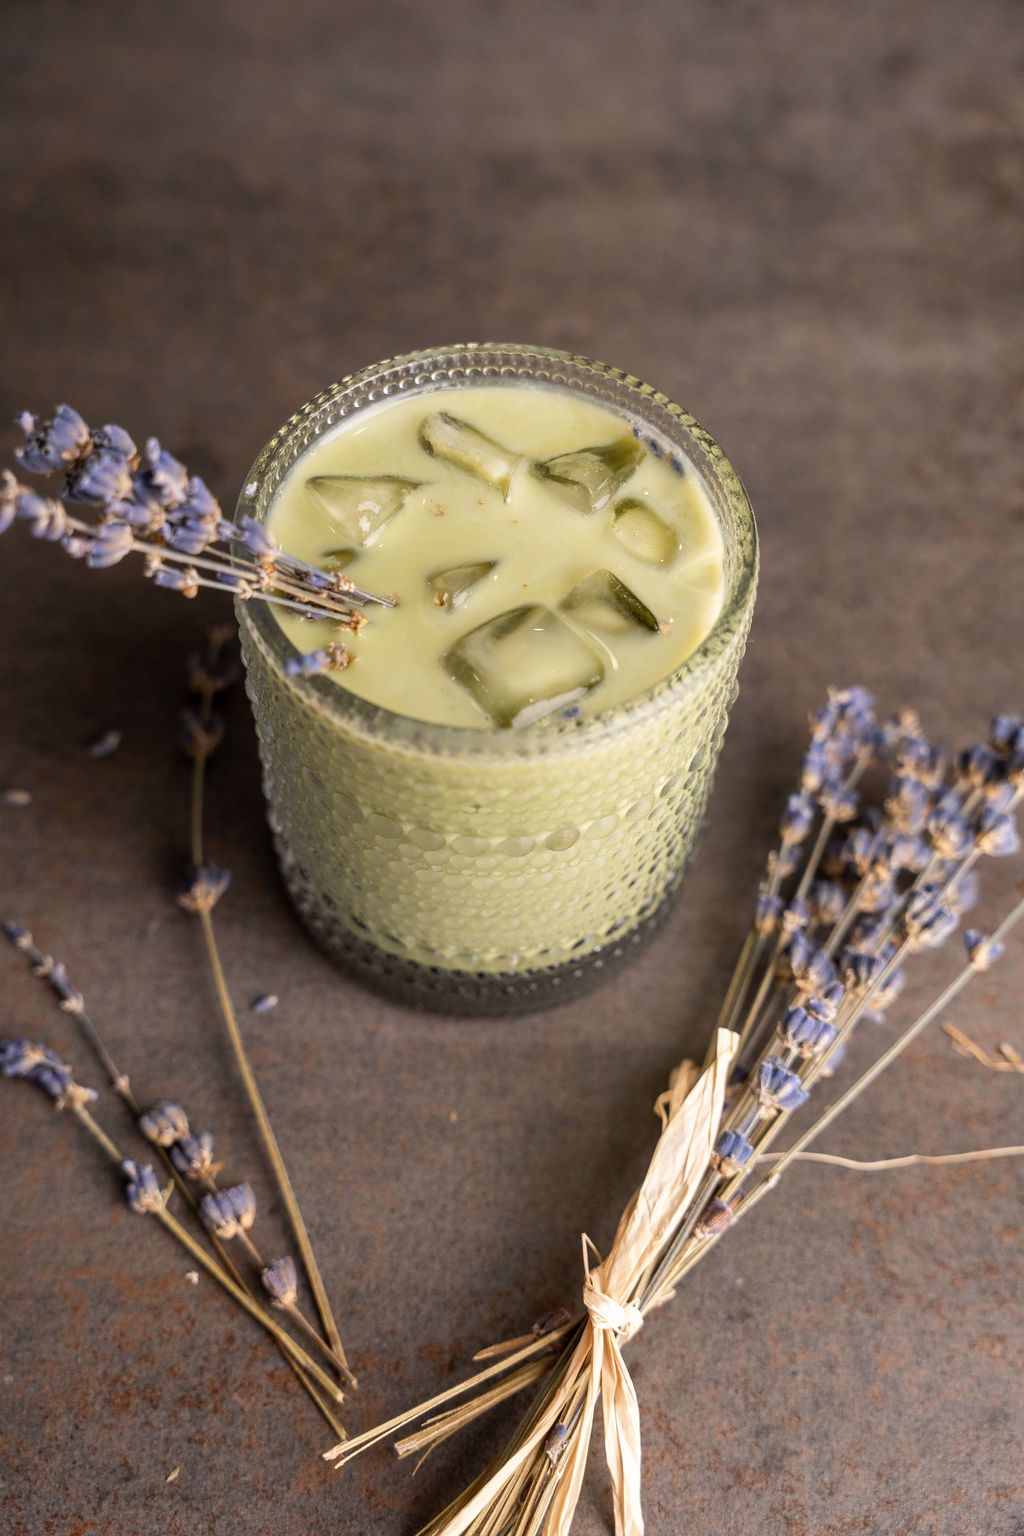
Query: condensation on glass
(490, 871)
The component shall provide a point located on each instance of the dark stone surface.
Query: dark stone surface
(805, 222)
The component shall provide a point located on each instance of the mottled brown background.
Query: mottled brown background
(803, 220)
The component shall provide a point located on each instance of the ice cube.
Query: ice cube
(590, 477)
(449, 589)
(523, 665)
(446, 437)
(359, 505)
(641, 531)
(605, 604)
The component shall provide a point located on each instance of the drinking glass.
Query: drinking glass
(489, 870)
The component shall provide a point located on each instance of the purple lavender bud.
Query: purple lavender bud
(777, 1087)
(885, 995)
(982, 950)
(795, 917)
(201, 502)
(996, 834)
(192, 1156)
(788, 859)
(100, 479)
(256, 538)
(838, 802)
(52, 444)
(227, 1212)
(827, 901)
(311, 663)
(862, 850)
(948, 833)
(860, 970)
(281, 1283)
(142, 1187)
(223, 532)
(811, 969)
(732, 1153)
(802, 1031)
(233, 581)
(928, 922)
(165, 1123)
(265, 1004)
(105, 745)
(162, 480)
(797, 819)
(47, 517)
(9, 493)
(188, 538)
(827, 1005)
(19, 1057)
(979, 767)
(814, 770)
(877, 892)
(185, 581)
(906, 805)
(198, 738)
(767, 911)
(1006, 734)
(961, 894)
(116, 439)
(907, 850)
(914, 757)
(203, 888)
(715, 1218)
(110, 543)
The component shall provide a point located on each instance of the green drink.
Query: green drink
(498, 794)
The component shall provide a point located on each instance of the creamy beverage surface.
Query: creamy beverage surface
(548, 560)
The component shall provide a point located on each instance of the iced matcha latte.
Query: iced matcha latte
(495, 797)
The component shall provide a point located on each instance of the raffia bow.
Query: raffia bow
(690, 1111)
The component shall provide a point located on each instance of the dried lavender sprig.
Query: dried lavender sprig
(146, 1196)
(266, 1131)
(165, 1125)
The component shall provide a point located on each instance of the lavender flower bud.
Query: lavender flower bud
(117, 440)
(787, 860)
(827, 901)
(767, 912)
(731, 1155)
(192, 1156)
(715, 1218)
(916, 758)
(814, 769)
(863, 849)
(982, 950)
(1006, 734)
(165, 1123)
(906, 805)
(907, 850)
(860, 970)
(961, 894)
(797, 819)
(20, 1057)
(52, 444)
(281, 1283)
(311, 663)
(827, 1006)
(795, 918)
(198, 738)
(142, 1189)
(227, 1212)
(801, 1031)
(877, 892)
(778, 1088)
(162, 480)
(188, 538)
(928, 922)
(47, 517)
(810, 968)
(838, 802)
(204, 888)
(257, 540)
(100, 479)
(996, 834)
(886, 994)
(185, 581)
(948, 833)
(110, 543)
(979, 767)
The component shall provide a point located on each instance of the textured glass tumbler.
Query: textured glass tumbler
(487, 871)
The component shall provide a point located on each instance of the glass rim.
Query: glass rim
(376, 719)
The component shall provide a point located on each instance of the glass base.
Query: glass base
(478, 994)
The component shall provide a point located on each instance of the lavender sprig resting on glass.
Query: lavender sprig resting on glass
(860, 884)
(113, 501)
